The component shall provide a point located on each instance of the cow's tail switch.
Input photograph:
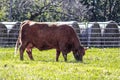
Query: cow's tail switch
(15, 52)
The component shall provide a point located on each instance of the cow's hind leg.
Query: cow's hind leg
(57, 54)
(29, 52)
(22, 49)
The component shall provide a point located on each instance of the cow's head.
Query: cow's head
(78, 54)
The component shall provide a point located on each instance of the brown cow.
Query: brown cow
(44, 36)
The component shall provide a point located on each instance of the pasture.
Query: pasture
(98, 64)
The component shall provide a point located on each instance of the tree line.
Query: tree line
(60, 10)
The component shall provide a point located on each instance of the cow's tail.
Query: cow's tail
(17, 46)
(18, 42)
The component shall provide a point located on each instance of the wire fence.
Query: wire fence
(91, 34)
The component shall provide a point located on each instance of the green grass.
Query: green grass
(98, 64)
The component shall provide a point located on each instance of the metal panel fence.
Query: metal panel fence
(100, 34)
(91, 34)
(8, 33)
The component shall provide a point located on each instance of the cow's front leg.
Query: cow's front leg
(57, 54)
(65, 56)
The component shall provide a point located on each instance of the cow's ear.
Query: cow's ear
(86, 48)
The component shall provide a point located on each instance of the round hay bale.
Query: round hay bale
(84, 37)
(95, 35)
(3, 35)
(80, 35)
(76, 27)
(13, 34)
(111, 35)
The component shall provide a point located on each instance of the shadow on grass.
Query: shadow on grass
(61, 61)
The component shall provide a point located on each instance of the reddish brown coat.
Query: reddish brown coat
(44, 36)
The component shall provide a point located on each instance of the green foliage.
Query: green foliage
(2, 15)
(3, 10)
(98, 64)
(60, 10)
(103, 10)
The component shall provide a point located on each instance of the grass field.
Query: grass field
(98, 64)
